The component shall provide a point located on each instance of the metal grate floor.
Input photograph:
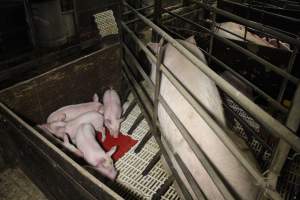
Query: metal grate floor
(132, 164)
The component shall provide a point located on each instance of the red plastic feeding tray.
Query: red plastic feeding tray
(123, 142)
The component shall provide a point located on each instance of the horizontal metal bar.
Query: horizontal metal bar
(267, 97)
(195, 187)
(251, 24)
(243, 50)
(275, 127)
(263, 11)
(215, 127)
(138, 9)
(198, 152)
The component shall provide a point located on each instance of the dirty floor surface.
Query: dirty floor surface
(15, 185)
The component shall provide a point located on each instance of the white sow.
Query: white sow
(206, 92)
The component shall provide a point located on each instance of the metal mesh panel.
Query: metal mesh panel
(257, 140)
(106, 23)
(132, 164)
(289, 181)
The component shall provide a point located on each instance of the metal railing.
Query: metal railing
(150, 102)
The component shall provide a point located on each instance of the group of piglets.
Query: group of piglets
(80, 121)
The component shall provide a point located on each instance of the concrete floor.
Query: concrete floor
(15, 185)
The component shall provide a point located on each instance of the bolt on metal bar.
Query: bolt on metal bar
(197, 151)
(269, 122)
(252, 24)
(242, 50)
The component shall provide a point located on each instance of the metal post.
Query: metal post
(283, 147)
(213, 26)
(289, 70)
(157, 19)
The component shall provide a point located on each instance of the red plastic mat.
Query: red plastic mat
(123, 142)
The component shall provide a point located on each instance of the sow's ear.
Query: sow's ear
(191, 40)
(153, 46)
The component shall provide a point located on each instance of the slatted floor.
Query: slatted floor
(132, 164)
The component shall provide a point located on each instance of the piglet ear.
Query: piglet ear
(154, 46)
(111, 151)
(95, 98)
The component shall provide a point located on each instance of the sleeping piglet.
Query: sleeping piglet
(112, 111)
(91, 151)
(92, 117)
(70, 112)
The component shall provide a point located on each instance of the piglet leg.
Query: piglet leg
(71, 147)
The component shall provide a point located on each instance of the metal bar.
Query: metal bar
(142, 143)
(151, 164)
(142, 101)
(198, 192)
(252, 24)
(173, 32)
(242, 50)
(198, 152)
(283, 148)
(289, 70)
(254, 87)
(137, 64)
(269, 122)
(211, 40)
(138, 9)
(157, 83)
(263, 11)
(163, 188)
(248, 127)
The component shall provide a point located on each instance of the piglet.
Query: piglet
(72, 111)
(93, 117)
(91, 151)
(112, 111)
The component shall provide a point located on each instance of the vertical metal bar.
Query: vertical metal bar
(213, 26)
(289, 70)
(283, 148)
(157, 83)
(157, 19)
(75, 15)
(28, 13)
(145, 110)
